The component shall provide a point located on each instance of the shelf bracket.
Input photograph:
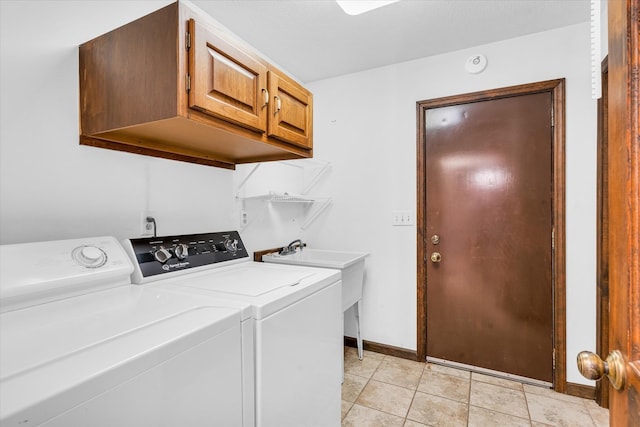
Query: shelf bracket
(246, 178)
(316, 177)
(325, 204)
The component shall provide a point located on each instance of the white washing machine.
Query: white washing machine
(294, 322)
(81, 346)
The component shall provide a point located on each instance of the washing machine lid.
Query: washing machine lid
(267, 287)
(61, 353)
(251, 279)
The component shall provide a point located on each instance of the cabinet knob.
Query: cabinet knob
(265, 97)
(278, 103)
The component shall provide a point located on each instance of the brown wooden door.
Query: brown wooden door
(624, 205)
(623, 173)
(225, 81)
(489, 200)
(290, 111)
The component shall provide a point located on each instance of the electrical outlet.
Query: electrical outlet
(146, 227)
(244, 218)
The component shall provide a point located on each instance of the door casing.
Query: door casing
(556, 88)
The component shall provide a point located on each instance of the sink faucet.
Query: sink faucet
(291, 247)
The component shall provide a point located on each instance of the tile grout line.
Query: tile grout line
(415, 392)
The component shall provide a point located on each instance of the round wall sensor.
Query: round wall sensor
(475, 64)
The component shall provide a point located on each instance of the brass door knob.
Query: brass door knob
(592, 367)
(436, 257)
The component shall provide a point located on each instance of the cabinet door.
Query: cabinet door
(290, 111)
(225, 81)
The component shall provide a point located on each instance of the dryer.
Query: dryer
(294, 323)
(83, 346)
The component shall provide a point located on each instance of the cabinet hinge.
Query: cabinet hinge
(187, 82)
(187, 38)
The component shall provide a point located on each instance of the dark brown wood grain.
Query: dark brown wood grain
(602, 234)
(556, 88)
(389, 350)
(580, 390)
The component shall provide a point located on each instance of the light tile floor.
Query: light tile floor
(388, 391)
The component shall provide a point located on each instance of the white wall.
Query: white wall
(50, 186)
(53, 188)
(365, 124)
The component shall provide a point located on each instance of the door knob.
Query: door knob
(436, 257)
(592, 367)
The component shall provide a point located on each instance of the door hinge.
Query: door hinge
(554, 359)
(553, 117)
(187, 38)
(553, 239)
(187, 82)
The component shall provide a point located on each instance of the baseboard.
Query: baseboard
(580, 390)
(383, 348)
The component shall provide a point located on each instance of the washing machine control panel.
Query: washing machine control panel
(161, 255)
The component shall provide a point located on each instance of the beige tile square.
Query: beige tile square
(386, 397)
(365, 367)
(437, 411)
(548, 392)
(352, 387)
(498, 399)
(481, 417)
(448, 370)
(443, 385)
(599, 415)
(557, 412)
(360, 416)
(402, 372)
(411, 423)
(345, 408)
(503, 382)
(405, 362)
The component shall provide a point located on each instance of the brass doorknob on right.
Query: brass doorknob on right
(436, 257)
(592, 367)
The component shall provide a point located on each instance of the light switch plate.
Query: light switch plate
(400, 218)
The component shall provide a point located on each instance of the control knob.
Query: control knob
(181, 250)
(231, 245)
(89, 256)
(162, 255)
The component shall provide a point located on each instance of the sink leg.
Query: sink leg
(356, 310)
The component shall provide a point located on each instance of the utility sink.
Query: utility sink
(351, 265)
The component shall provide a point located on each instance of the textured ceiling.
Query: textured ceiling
(314, 40)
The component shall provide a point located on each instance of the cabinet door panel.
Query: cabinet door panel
(226, 82)
(290, 111)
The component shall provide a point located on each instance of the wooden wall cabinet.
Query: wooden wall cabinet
(175, 84)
